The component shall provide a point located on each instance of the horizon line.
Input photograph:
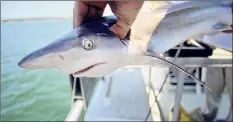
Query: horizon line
(34, 19)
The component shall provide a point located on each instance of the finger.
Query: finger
(79, 12)
(121, 28)
(99, 4)
(73, 19)
(126, 12)
(93, 12)
(86, 9)
(95, 9)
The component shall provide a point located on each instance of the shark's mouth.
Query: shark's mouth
(229, 31)
(88, 68)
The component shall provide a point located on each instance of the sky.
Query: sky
(38, 9)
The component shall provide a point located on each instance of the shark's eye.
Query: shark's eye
(88, 43)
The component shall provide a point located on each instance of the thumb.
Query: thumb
(121, 28)
(126, 12)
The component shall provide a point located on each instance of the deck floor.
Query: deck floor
(190, 98)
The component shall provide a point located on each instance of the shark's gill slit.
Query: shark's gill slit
(181, 69)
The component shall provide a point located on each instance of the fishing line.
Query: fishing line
(181, 69)
(172, 64)
(161, 88)
(177, 67)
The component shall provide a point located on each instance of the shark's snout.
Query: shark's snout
(21, 63)
(27, 61)
(51, 54)
(37, 60)
(84, 51)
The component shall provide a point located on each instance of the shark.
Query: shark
(93, 50)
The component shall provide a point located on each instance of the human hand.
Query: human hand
(126, 12)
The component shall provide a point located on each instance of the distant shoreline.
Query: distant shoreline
(34, 19)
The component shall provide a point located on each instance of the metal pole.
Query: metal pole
(178, 96)
(75, 111)
(73, 92)
(198, 86)
(160, 110)
(203, 74)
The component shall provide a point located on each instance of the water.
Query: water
(32, 94)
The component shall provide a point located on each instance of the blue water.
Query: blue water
(32, 94)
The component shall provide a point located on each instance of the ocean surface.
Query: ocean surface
(28, 95)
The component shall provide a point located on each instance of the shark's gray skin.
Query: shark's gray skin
(92, 50)
(70, 55)
(188, 20)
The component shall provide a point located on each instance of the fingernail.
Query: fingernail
(112, 28)
(118, 31)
